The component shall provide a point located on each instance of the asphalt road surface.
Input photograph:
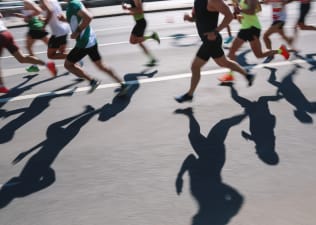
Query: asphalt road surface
(238, 156)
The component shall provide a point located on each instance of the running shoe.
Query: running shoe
(155, 36)
(124, 90)
(32, 69)
(228, 40)
(284, 52)
(4, 90)
(80, 63)
(151, 63)
(93, 85)
(184, 98)
(268, 59)
(227, 78)
(250, 78)
(52, 68)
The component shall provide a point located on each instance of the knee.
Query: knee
(68, 65)
(195, 68)
(51, 55)
(265, 36)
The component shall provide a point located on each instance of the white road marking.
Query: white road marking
(146, 80)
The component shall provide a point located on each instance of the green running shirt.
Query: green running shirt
(248, 21)
(87, 37)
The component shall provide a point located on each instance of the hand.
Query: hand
(62, 18)
(74, 35)
(211, 36)
(179, 185)
(19, 158)
(237, 10)
(124, 6)
(186, 17)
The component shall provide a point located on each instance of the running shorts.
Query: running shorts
(210, 49)
(57, 42)
(37, 34)
(249, 34)
(139, 28)
(76, 54)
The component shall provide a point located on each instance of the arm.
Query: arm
(184, 167)
(188, 17)
(134, 10)
(221, 7)
(228, 15)
(49, 12)
(29, 5)
(86, 19)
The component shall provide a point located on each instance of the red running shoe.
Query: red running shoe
(226, 78)
(284, 52)
(52, 68)
(4, 90)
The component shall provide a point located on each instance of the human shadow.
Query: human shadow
(261, 125)
(218, 202)
(37, 173)
(38, 105)
(181, 40)
(309, 58)
(293, 95)
(21, 88)
(119, 103)
(242, 59)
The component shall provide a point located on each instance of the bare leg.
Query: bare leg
(57, 53)
(27, 59)
(107, 70)
(76, 70)
(230, 64)
(237, 43)
(196, 66)
(257, 49)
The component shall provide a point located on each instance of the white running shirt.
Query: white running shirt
(2, 26)
(57, 27)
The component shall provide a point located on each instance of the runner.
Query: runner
(206, 13)
(305, 7)
(86, 44)
(137, 35)
(279, 16)
(59, 29)
(31, 15)
(7, 41)
(250, 32)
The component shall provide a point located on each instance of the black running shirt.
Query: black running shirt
(206, 21)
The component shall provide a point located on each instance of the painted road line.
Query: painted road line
(146, 80)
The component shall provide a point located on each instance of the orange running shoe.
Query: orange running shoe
(284, 52)
(226, 78)
(4, 90)
(52, 68)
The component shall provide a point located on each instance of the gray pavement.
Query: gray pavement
(122, 163)
(116, 10)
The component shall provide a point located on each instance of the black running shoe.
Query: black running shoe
(151, 63)
(184, 98)
(250, 78)
(93, 84)
(124, 89)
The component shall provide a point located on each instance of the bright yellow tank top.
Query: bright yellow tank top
(247, 20)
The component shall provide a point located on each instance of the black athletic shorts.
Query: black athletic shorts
(210, 49)
(278, 23)
(139, 28)
(56, 42)
(37, 34)
(304, 9)
(249, 34)
(76, 54)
